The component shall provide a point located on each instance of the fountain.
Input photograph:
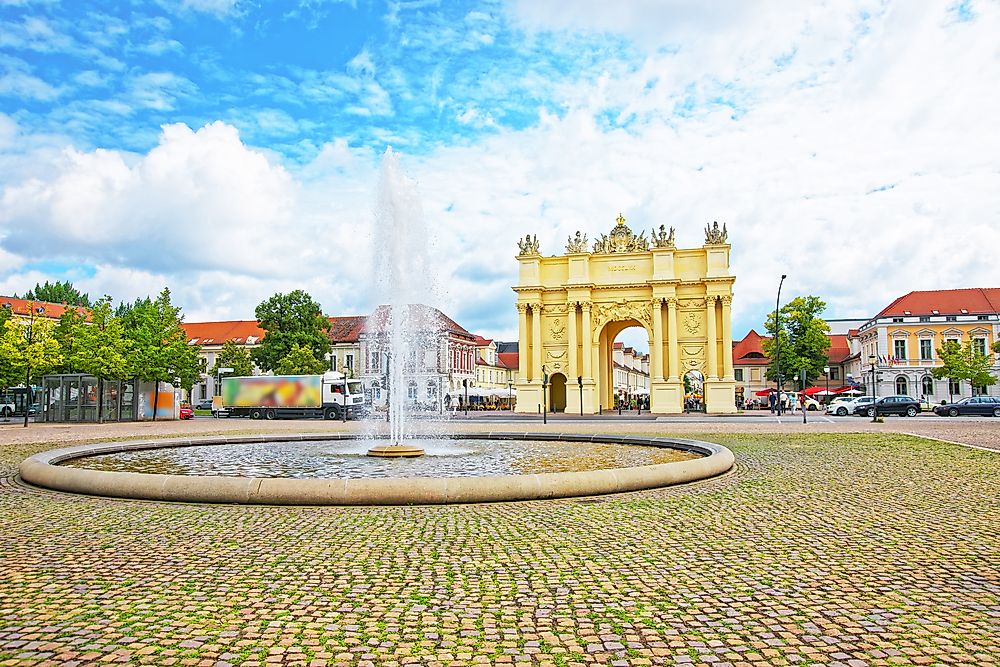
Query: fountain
(341, 469)
(401, 277)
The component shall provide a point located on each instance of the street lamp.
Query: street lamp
(826, 372)
(777, 343)
(579, 381)
(510, 396)
(872, 359)
(545, 400)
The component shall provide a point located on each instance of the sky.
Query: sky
(230, 149)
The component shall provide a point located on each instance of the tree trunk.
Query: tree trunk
(156, 397)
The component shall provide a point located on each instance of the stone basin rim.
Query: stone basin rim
(42, 469)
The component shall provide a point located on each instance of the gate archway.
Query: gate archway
(568, 305)
(557, 393)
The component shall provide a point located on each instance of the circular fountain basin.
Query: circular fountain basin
(66, 470)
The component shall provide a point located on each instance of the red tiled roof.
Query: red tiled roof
(424, 318)
(346, 329)
(245, 332)
(508, 359)
(482, 342)
(50, 310)
(977, 301)
(619, 346)
(749, 351)
(481, 362)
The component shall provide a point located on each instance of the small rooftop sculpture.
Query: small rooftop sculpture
(577, 243)
(529, 246)
(662, 239)
(714, 235)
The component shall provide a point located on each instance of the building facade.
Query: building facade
(901, 343)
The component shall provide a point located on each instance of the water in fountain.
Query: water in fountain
(403, 279)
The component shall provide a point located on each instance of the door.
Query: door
(557, 393)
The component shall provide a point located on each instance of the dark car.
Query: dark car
(975, 405)
(203, 404)
(890, 405)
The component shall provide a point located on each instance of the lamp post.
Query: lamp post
(465, 385)
(579, 381)
(777, 342)
(510, 396)
(545, 400)
(872, 359)
(826, 372)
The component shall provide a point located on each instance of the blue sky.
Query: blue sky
(230, 149)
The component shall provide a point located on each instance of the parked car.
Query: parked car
(974, 405)
(203, 404)
(845, 406)
(185, 412)
(812, 403)
(890, 405)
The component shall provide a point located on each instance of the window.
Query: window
(979, 390)
(411, 391)
(902, 386)
(373, 358)
(835, 373)
(899, 349)
(954, 387)
(927, 386)
(925, 318)
(951, 318)
(979, 345)
(737, 372)
(897, 319)
(926, 349)
(333, 361)
(983, 318)
(431, 390)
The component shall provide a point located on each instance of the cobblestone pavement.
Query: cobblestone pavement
(822, 548)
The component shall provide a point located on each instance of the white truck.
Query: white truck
(327, 396)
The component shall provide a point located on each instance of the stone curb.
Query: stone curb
(43, 470)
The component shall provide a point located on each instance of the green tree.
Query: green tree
(27, 352)
(964, 362)
(290, 319)
(103, 349)
(300, 360)
(161, 352)
(58, 292)
(235, 356)
(803, 338)
(70, 323)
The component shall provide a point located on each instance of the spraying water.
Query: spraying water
(403, 279)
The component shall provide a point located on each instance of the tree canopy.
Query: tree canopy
(288, 320)
(803, 338)
(58, 292)
(963, 361)
(159, 343)
(235, 356)
(300, 361)
(21, 354)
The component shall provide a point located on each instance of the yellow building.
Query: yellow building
(571, 308)
(905, 336)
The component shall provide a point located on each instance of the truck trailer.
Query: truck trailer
(327, 396)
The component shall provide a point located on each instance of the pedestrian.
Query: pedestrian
(802, 405)
(772, 400)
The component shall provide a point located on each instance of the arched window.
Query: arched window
(411, 391)
(927, 385)
(902, 386)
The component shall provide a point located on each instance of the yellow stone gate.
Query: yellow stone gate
(571, 307)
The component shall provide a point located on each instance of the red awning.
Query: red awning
(813, 390)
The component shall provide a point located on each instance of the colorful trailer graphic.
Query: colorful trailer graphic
(278, 391)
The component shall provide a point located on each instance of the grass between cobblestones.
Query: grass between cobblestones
(820, 549)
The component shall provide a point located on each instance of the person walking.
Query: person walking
(802, 405)
(772, 400)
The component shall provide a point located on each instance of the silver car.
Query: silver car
(842, 408)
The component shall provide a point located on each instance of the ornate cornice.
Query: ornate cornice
(621, 239)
